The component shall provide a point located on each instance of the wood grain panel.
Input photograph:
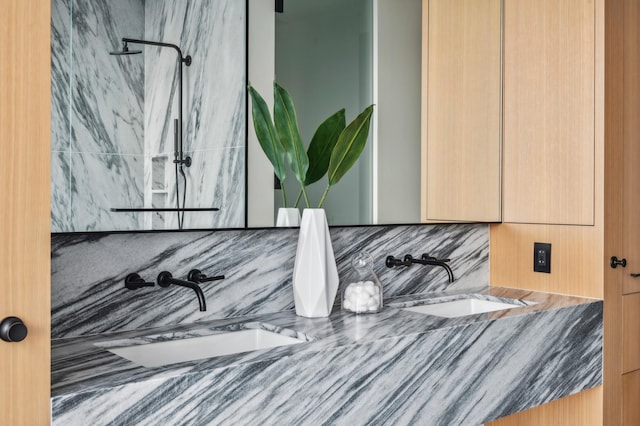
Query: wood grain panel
(614, 232)
(24, 216)
(576, 258)
(631, 333)
(631, 125)
(548, 138)
(631, 392)
(463, 100)
(582, 409)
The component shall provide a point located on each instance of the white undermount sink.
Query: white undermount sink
(461, 307)
(189, 349)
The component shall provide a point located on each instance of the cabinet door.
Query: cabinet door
(462, 98)
(25, 80)
(549, 113)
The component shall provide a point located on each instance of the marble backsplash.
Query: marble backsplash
(88, 271)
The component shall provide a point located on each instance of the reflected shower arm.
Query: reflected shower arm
(184, 59)
(179, 159)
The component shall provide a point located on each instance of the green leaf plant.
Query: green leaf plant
(286, 123)
(350, 144)
(267, 137)
(333, 150)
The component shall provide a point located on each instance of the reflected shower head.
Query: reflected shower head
(125, 51)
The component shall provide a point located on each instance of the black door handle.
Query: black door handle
(12, 329)
(615, 262)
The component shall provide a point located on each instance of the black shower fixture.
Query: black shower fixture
(125, 51)
(179, 158)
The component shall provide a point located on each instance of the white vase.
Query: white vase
(288, 216)
(315, 275)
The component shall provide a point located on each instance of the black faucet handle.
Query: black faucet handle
(134, 281)
(433, 259)
(392, 261)
(164, 279)
(198, 277)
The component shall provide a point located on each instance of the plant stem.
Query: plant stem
(324, 196)
(298, 199)
(306, 198)
(284, 195)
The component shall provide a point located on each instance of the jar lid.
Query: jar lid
(362, 262)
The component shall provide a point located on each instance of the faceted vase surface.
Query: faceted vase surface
(315, 274)
(288, 216)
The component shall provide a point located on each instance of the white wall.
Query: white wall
(323, 59)
(398, 57)
(261, 76)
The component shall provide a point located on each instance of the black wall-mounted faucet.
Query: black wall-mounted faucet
(425, 259)
(165, 279)
(198, 277)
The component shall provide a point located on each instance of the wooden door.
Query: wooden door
(25, 210)
(631, 128)
(622, 201)
(630, 276)
(461, 127)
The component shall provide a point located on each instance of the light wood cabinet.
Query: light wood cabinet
(509, 111)
(581, 409)
(549, 107)
(461, 110)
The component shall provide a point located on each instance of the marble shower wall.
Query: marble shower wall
(112, 115)
(97, 158)
(88, 271)
(212, 32)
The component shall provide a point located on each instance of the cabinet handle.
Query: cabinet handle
(12, 329)
(615, 262)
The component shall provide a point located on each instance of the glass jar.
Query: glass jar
(363, 292)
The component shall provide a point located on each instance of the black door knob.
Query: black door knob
(12, 329)
(615, 262)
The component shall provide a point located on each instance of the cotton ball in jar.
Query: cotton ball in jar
(361, 297)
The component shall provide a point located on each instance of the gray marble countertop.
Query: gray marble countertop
(82, 364)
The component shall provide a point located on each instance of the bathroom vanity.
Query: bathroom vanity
(394, 367)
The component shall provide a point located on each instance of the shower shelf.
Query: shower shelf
(174, 209)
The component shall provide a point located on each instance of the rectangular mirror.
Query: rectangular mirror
(117, 142)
